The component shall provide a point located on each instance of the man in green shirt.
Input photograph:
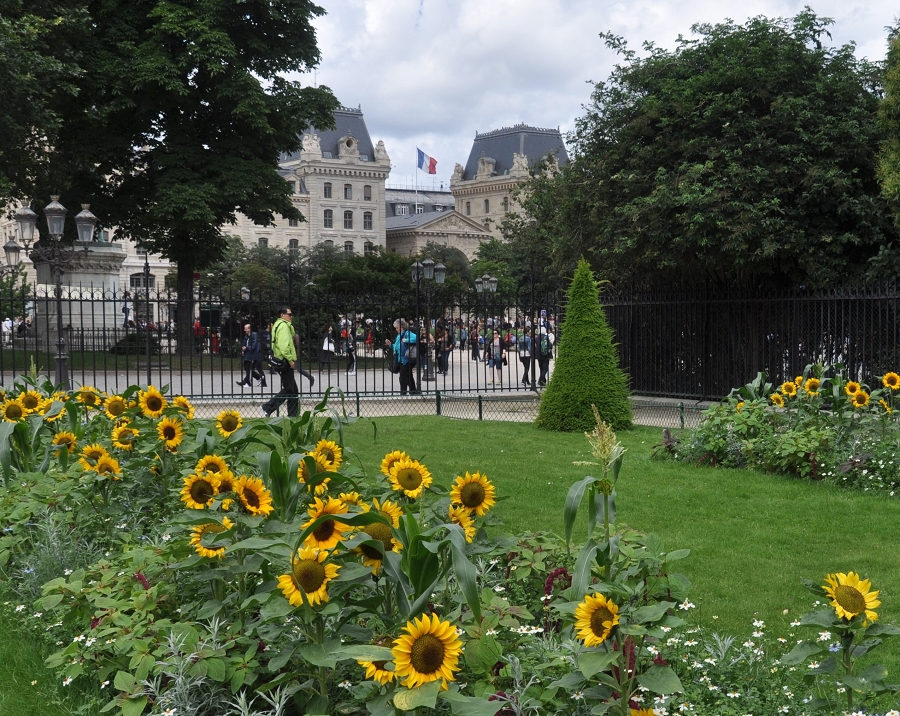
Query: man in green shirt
(283, 349)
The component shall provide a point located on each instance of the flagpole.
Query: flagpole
(416, 205)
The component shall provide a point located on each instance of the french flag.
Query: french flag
(427, 164)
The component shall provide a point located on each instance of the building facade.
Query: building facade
(338, 180)
(499, 162)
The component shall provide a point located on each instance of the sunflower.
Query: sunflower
(388, 508)
(90, 454)
(152, 402)
(388, 462)
(887, 408)
(67, 439)
(410, 477)
(812, 386)
(199, 490)
(13, 410)
(351, 498)
(108, 466)
(428, 651)
(376, 671)
(47, 405)
(852, 387)
(891, 380)
(123, 437)
(228, 422)
(89, 396)
(254, 496)
(321, 466)
(309, 576)
(860, 399)
(851, 595)
(32, 400)
(332, 453)
(777, 400)
(798, 381)
(114, 406)
(474, 492)
(171, 432)
(789, 388)
(227, 484)
(462, 517)
(211, 464)
(329, 532)
(641, 712)
(209, 528)
(380, 532)
(182, 403)
(739, 406)
(595, 618)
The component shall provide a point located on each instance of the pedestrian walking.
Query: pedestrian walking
(403, 342)
(544, 351)
(251, 354)
(351, 351)
(495, 350)
(284, 351)
(525, 356)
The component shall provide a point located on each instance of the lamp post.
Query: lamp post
(57, 257)
(428, 271)
(487, 286)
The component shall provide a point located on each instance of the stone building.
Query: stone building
(500, 160)
(338, 179)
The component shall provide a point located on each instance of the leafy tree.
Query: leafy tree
(587, 366)
(180, 117)
(746, 155)
(889, 114)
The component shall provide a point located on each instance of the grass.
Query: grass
(752, 537)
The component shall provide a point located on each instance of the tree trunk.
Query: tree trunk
(185, 327)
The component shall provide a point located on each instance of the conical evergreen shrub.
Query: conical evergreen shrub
(587, 366)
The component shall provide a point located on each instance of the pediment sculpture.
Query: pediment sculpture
(458, 172)
(485, 167)
(520, 163)
(381, 152)
(310, 143)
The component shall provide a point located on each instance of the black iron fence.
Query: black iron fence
(116, 339)
(702, 344)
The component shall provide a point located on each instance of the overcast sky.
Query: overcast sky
(430, 73)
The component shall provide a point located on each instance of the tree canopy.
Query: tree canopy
(746, 155)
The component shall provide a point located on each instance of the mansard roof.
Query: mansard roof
(501, 144)
(348, 122)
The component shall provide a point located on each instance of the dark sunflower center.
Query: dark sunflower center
(308, 574)
(64, 440)
(227, 486)
(427, 654)
(409, 479)
(850, 598)
(251, 497)
(13, 411)
(169, 432)
(229, 423)
(892, 381)
(117, 407)
(472, 494)
(30, 402)
(89, 398)
(104, 468)
(381, 532)
(202, 492)
(859, 398)
(600, 615)
(154, 403)
(324, 531)
(379, 665)
(126, 436)
(212, 527)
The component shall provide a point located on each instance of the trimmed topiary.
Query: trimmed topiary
(587, 366)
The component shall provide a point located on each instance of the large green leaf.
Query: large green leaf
(661, 680)
(409, 699)
(365, 652)
(581, 575)
(461, 705)
(466, 574)
(573, 501)
(592, 662)
(800, 653)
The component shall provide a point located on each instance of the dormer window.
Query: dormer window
(401, 209)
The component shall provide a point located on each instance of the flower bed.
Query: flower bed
(188, 567)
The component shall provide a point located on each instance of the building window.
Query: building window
(348, 191)
(367, 220)
(136, 281)
(327, 190)
(402, 209)
(368, 247)
(505, 203)
(293, 186)
(420, 209)
(367, 193)
(140, 251)
(329, 244)
(263, 242)
(348, 219)
(292, 223)
(293, 244)
(468, 208)
(487, 206)
(348, 247)
(438, 207)
(329, 219)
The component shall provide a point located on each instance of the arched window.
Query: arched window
(348, 219)
(263, 242)
(367, 220)
(348, 247)
(293, 244)
(348, 191)
(328, 243)
(329, 219)
(368, 248)
(327, 192)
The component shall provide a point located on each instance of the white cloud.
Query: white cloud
(430, 73)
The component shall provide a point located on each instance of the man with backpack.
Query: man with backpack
(283, 351)
(544, 352)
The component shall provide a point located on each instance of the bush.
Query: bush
(587, 366)
(136, 344)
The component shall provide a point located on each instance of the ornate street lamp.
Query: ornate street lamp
(429, 271)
